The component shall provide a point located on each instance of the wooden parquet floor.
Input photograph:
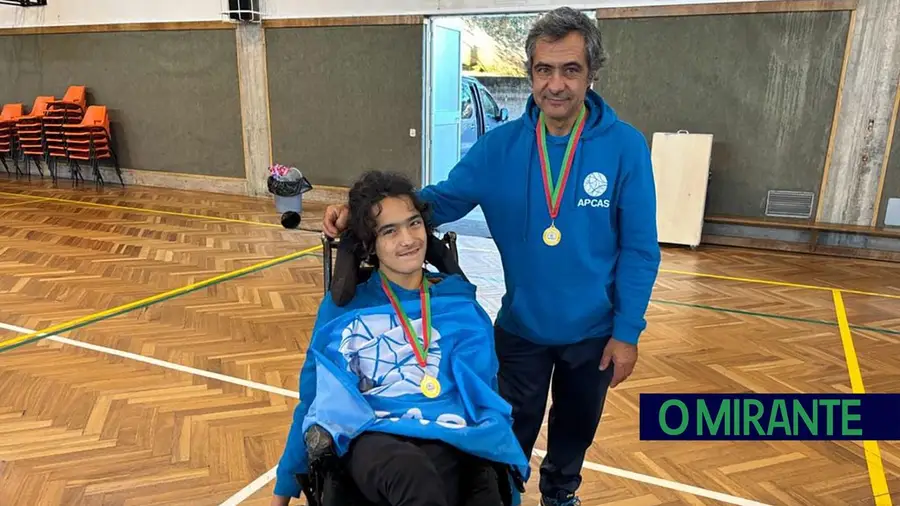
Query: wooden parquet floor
(81, 425)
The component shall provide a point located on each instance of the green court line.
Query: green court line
(141, 304)
(773, 316)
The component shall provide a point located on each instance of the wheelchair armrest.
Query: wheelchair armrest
(309, 489)
(508, 478)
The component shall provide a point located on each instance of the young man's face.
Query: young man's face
(400, 235)
(560, 78)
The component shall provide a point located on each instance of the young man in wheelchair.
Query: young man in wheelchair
(399, 385)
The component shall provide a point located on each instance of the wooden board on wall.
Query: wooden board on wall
(172, 95)
(681, 172)
(765, 85)
(344, 98)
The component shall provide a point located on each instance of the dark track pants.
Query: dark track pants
(396, 471)
(578, 394)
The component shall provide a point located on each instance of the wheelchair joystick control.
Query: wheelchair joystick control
(319, 444)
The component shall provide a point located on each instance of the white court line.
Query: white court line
(161, 363)
(251, 489)
(653, 480)
(263, 480)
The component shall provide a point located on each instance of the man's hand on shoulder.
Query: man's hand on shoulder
(623, 356)
(335, 220)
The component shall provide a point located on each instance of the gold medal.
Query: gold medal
(552, 236)
(554, 191)
(430, 386)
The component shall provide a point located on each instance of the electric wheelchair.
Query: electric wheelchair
(327, 483)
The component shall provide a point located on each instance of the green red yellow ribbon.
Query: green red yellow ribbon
(419, 348)
(554, 193)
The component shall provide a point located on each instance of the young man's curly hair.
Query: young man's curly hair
(365, 197)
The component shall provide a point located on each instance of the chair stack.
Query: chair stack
(68, 111)
(8, 118)
(30, 134)
(90, 141)
(67, 129)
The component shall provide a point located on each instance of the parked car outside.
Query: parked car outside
(479, 112)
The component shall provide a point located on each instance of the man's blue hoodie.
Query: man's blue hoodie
(597, 281)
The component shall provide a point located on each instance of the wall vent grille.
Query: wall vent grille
(789, 204)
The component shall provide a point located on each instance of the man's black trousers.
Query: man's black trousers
(572, 373)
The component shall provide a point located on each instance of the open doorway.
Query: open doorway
(475, 81)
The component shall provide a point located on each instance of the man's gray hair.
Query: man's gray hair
(560, 22)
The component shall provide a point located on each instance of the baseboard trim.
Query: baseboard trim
(792, 247)
(193, 182)
(327, 194)
(179, 181)
(138, 177)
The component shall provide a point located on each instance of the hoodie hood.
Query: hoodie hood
(601, 116)
(442, 284)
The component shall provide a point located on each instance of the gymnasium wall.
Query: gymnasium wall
(766, 90)
(94, 12)
(181, 106)
(347, 101)
(171, 95)
(336, 87)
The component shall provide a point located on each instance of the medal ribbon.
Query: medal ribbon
(554, 193)
(419, 348)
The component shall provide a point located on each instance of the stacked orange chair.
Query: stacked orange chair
(68, 111)
(30, 134)
(8, 118)
(90, 141)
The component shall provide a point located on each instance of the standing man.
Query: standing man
(567, 191)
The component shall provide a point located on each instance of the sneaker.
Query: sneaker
(569, 500)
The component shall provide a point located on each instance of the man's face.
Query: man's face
(400, 235)
(560, 78)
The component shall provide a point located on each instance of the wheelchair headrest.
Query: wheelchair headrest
(350, 269)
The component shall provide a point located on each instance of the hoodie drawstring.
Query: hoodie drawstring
(529, 168)
(576, 177)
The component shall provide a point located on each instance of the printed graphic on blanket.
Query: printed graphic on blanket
(377, 351)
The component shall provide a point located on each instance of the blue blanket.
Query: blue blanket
(361, 374)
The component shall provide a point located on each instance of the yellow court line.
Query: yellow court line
(872, 452)
(144, 210)
(78, 322)
(25, 202)
(670, 271)
(780, 283)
